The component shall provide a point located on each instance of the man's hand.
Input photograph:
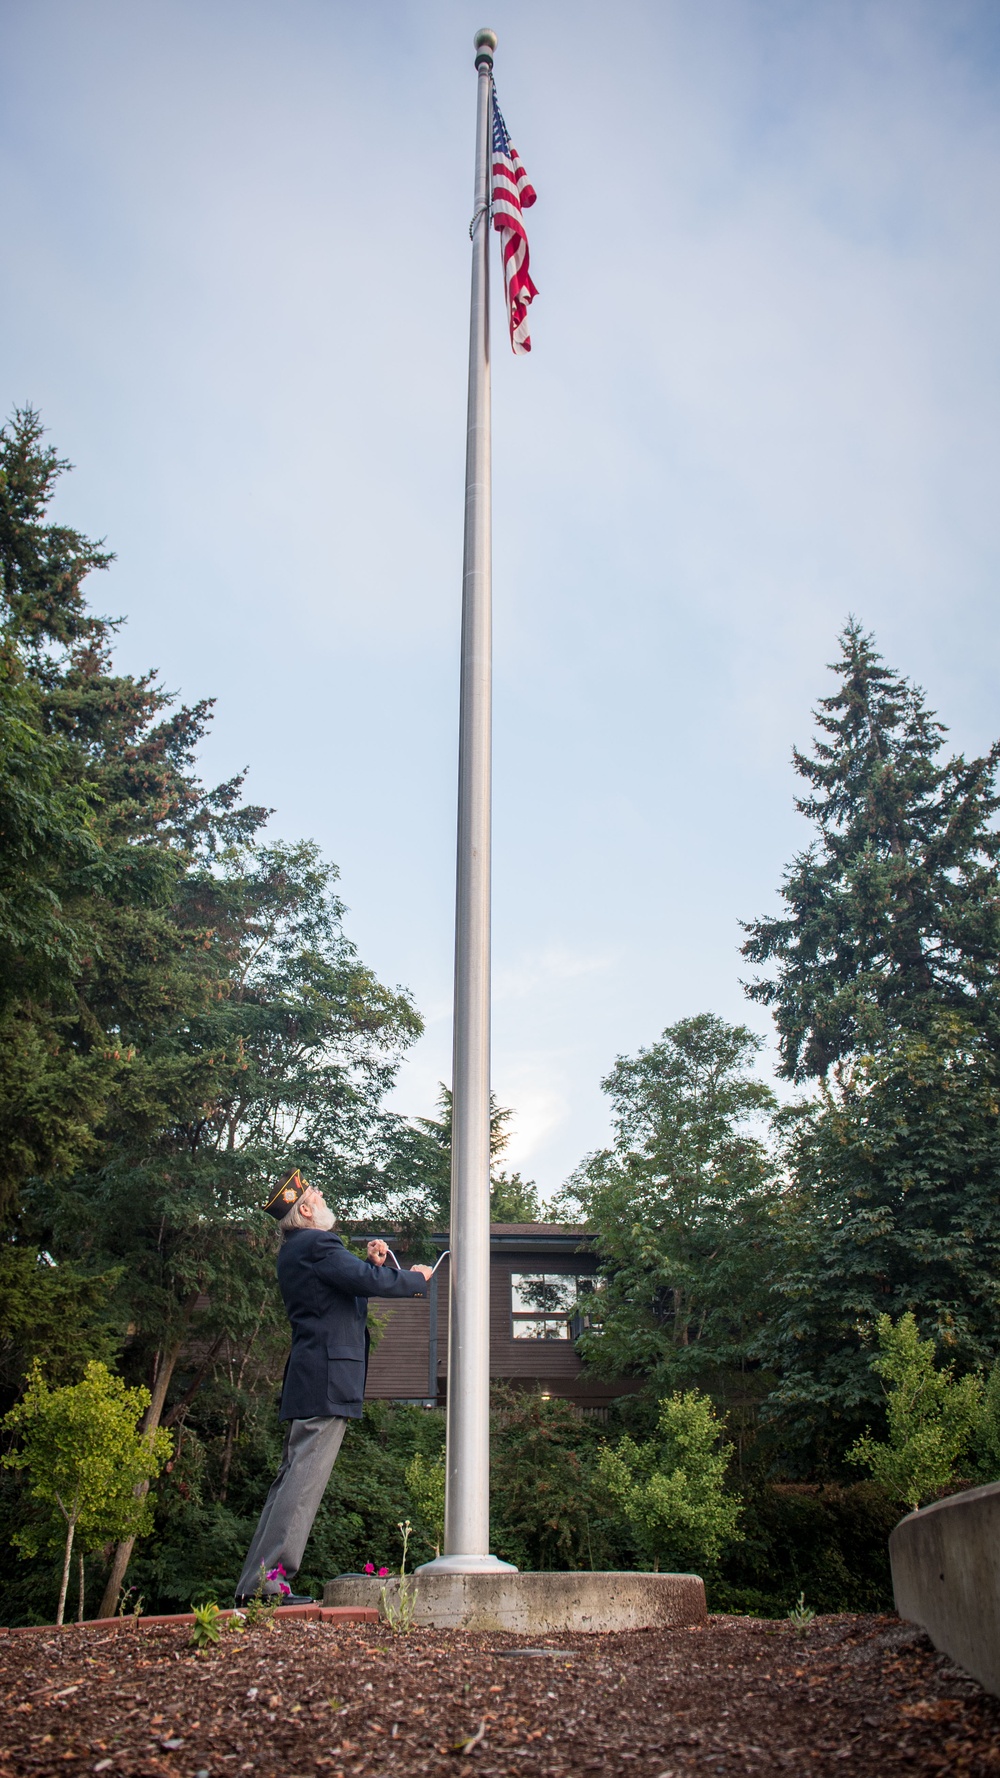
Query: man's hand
(377, 1251)
(425, 1271)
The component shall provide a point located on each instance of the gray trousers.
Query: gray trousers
(310, 1452)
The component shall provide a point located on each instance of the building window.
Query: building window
(544, 1304)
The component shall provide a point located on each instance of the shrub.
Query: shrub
(828, 1541)
(86, 1460)
(671, 1489)
(425, 1478)
(932, 1419)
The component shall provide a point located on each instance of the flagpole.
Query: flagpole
(467, 1487)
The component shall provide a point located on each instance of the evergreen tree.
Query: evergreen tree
(893, 911)
(184, 1016)
(897, 1211)
(103, 819)
(412, 1187)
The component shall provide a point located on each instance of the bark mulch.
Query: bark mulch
(865, 1695)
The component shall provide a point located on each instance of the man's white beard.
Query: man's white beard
(323, 1217)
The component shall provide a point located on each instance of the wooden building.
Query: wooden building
(538, 1273)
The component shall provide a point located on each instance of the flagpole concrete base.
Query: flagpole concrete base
(534, 1604)
(466, 1565)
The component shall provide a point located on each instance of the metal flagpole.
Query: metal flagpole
(467, 1488)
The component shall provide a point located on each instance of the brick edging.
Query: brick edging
(315, 1614)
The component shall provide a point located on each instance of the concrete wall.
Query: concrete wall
(946, 1577)
(536, 1604)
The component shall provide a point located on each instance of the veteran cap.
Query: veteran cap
(286, 1195)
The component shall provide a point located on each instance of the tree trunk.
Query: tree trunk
(79, 1609)
(180, 1408)
(227, 1455)
(71, 1527)
(154, 1413)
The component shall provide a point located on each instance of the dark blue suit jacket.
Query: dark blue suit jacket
(326, 1291)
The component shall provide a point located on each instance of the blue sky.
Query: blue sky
(763, 394)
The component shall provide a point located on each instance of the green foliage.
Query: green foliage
(897, 1173)
(672, 1488)
(986, 1440)
(932, 1418)
(801, 1615)
(261, 1606)
(85, 1460)
(298, 1036)
(828, 1541)
(181, 1014)
(548, 1508)
(206, 1628)
(58, 1313)
(513, 1199)
(400, 1603)
(413, 1182)
(683, 1208)
(100, 937)
(425, 1479)
(893, 912)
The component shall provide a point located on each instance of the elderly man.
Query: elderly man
(325, 1291)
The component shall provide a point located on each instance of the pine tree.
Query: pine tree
(893, 911)
(896, 1169)
(185, 1015)
(103, 821)
(412, 1186)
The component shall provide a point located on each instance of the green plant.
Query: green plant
(986, 1439)
(261, 1607)
(671, 1489)
(206, 1628)
(829, 1540)
(86, 1459)
(127, 1610)
(681, 1206)
(932, 1419)
(425, 1479)
(801, 1614)
(399, 1612)
(549, 1506)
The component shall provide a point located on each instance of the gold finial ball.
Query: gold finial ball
(486, 42)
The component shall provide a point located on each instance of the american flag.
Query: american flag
(511, 195)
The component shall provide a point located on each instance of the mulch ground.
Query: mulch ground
(847, 1695)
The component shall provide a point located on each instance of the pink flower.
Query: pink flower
(382, 1573)
(278, 1575)
(369, 1568)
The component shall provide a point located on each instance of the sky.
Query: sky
(762, 396)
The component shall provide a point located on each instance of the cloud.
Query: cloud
(526, 976)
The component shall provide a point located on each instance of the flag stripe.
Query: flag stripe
(511, 194)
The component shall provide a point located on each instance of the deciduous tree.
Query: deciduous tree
(86, 1460)
(682, 1207)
